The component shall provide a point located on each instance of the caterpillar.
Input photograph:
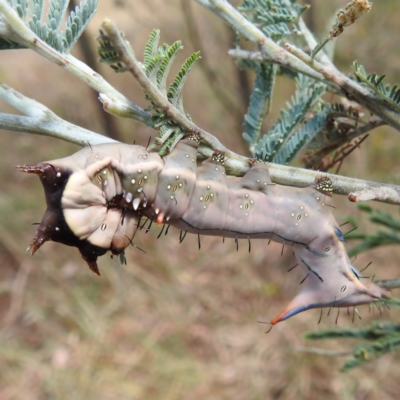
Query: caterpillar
(97, 197)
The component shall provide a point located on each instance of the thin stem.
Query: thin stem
(312, 43)
(366, 128)
(319, 47)
(40, 120)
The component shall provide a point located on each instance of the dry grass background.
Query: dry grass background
(176, 322)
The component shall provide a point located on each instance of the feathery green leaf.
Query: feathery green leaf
(77, 22)
(154, 63)
(379, 237)
(176, 88)
(150, 50)
(108, 54)
(21, 6)
(307, 94)
(301, 138)
(259, 100)
(384, 337)
(56, 13)
(50, 31)
(166, 64)
(36, 9)
(276, 18)
(371, 332)
(171, 142)
(375, 83)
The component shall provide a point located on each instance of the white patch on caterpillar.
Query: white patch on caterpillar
(136, 203)
(129, 197)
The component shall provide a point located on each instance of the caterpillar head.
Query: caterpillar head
(78, 213)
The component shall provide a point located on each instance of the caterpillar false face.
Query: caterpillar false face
(97, 197)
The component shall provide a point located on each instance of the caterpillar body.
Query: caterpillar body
(97, 197)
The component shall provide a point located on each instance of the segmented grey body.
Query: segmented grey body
(104, 191)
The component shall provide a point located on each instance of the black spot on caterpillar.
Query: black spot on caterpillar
(97, 197)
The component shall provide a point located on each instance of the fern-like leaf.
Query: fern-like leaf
(166, 64)
(171, 142)
(367, 352)
(77, 22)
(44, 31)
(306, 95)
(384, 338)
(36, 10)
(150, 49)
(375, 82)
(259, 100)
(176, 88)
(301, 138)
(339, 110)
(157, 63)
(154, 63)
(164, 132)
(108, 54)
(50, 31)
(279, 31)
(276, 18)
(20, 6)
(56, 13)
(378, 238)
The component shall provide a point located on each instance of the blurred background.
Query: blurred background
(176, 322)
